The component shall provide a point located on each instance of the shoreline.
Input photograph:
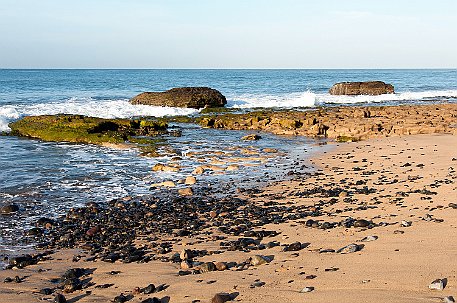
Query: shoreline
(393, 180)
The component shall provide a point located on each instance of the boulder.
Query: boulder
(191, 97)
(361, 88)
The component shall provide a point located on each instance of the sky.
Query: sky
(228, 34)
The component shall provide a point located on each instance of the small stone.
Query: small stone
(46, 291)
(259, 260)
(257, 284)
(198, 171)
(343, 194)
(149, 289)
(59, 298)
(186, 264)
(369, 238)
(406, 223)
(453, 205)
(120, 299)
(207, 267)
(8, 280)
(221, 266)
(449, 299)
(221, 298)
(307, 289)
(351, 248)
(362, 223)
(296, 246)
(186, 254)
(437, 284)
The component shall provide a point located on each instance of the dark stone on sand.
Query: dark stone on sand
(351, 248)
(46, 291)
(361, 88)
(149, 289)
(9, 209)
(120, 299)
(296, 246)
(59, 298)
(191, 97)
(362, 223)
(221, 298)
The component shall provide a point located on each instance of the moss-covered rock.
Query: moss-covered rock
(140, 134)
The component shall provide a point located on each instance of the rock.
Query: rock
(307, 289)
(449, 299)
(251, 137)
(93, 231)
(120, 299)
(296, 246)
(351, 248)
(9, 209)
(221, 266)
(438, 284)
(186, 264)
(257, 284)
(164, 184)
(453, 205)
(221, 298)
(164, 168)
(186, 254)
(361, 88)
(59, 298)
(406, 223)
(199, 170)
(185, 191)
(36, 231)
(207, 267)
(149, 289)
(232, 167)
(190, 180)
(259, 260)
(191, 97)
(362, 223)
(369, 238)
(46, 291)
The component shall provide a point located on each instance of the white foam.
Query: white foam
(398, 97)
(302, 99)
(87, 107)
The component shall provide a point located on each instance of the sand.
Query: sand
(397, 267)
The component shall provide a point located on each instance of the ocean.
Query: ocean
(46, 179)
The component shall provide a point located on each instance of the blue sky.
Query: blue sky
(228, 34)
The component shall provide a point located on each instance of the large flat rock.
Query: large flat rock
(372, 88)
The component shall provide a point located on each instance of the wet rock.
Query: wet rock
(164, 168)
(190, 180)
(221, 298)
(351, 248)
(9, 209)
(438, 284)
(361, 88)
(190, 97)
(34, 232)
(251, 137)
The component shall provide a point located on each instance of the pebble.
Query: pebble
(120, 299)
(59, 298)
(257, 284)
(207, 267)
(185, 192)
(449, 299)
(259, 260)
(251, 137)
(296, 246)
(221, 266)
(351, 248)
(369, 238)
(149, 289)
(221, 298)
(437, 284)
(307, 289)
(362, 223)
(406, 223)
(190, 180)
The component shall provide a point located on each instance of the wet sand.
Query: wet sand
(402, 186)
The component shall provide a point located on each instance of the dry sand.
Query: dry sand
(397, 267)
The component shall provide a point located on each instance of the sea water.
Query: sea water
(46, 178)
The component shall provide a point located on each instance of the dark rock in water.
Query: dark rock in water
(251, 137)
(9, 209)
(191, 97)
(59, 298)
(45, 222)
(361, 88)
(34, 232)
(221, 298)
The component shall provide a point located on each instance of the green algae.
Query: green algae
(142, 134)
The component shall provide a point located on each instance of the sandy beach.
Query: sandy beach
(401, 186)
